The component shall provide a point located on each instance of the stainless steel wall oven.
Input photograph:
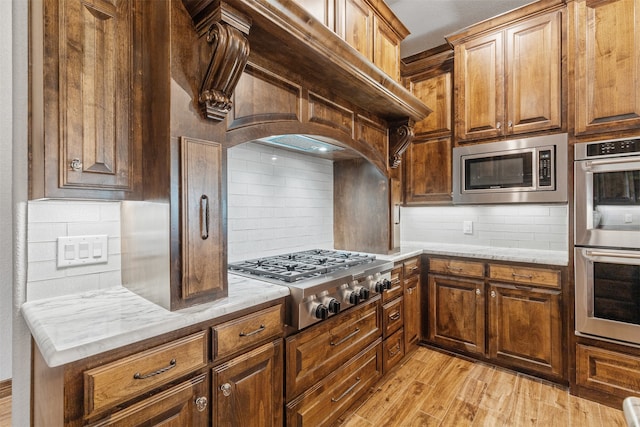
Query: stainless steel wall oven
(607, 239)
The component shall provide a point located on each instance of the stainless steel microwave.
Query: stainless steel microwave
(527, 170)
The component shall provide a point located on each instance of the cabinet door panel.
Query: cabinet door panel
(533, 77)
(386, 54)
(203, 263)
(248, 389)
(525, 328)
(607, 65)
(435, 91)
(456, 313)
(479, 88)
(428, 172)
(411, 311)
(356, 26)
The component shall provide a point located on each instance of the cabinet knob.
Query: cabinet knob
(498, 125)
(201, 403)
(226, 389)
(75, 165)
(477, 291)
(510, 123)
(493, 294)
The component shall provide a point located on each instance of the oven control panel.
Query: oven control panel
(607, 148)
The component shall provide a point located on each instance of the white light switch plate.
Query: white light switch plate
(82, 250)
(467, 227)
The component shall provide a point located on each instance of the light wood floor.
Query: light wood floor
(436, 389)
(5, 412)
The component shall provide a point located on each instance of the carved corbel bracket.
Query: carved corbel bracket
(400, 136)
(227, 34)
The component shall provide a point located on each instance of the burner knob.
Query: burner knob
(380, 287)
(321, 312)
(387, 283)
(363, 293)
(334, 306)
(354, 298)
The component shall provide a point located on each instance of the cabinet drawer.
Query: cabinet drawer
(456, 267)
(396, 285)
(411, 267)
(185, 404)
(316, 352)
(525, 275)
(126, 378)
(608, 371)
(326, 401)
(239, 334)
(393, 350)
(392, 317)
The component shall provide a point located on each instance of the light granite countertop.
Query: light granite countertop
(71, 327)
(410, 249)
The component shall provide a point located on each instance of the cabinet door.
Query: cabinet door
(456, 313)
(479, 88)
(203, 261)
(356, 25)
(411, 312)
(85, 139)
(184, 405)
(248, 389)
(386, 53)
(322, 10)
(607, 65)
(427, 174)
(525, 328)
(434, 90)
(533, 78)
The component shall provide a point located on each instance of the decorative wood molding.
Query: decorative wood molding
(400, 136)
(226, 32)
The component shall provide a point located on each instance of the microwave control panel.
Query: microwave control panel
(545, 168)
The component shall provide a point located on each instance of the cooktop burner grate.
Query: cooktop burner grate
(300, 265)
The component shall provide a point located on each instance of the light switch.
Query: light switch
(82, 250)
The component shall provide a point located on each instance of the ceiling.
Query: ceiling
(430, 20)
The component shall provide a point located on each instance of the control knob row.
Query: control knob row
(321, 311)
(381, 286)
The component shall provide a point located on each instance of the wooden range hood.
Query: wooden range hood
(283, 33)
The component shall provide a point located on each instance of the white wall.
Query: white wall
(6, 211)
(543, 227)
(279, 201)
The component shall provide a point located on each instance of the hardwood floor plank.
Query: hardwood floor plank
(552, 416)
(612, 417)
(488, 418)
(5, 411)
(584, 413)
(406, 405)
(500, 392)
(526, 403)
(555, 395)
(356, 421)
(446, 386)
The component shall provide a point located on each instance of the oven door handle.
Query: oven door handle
(611, 161)
(610, 254)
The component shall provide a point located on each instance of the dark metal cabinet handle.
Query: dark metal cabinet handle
(394, 316)
(347, 391)
(396, 348)
(139, 376)
(204, 217)
(352, 334)
(248, 334)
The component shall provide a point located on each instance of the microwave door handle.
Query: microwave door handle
(590, 253)
(612, 161)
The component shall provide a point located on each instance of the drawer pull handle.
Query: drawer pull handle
(139, 376)
(410, 291)
(201, 403)
(396, 348)
(226, 389)
(522, 276)
(352, 334)
(493, 294)
(394, 316)
(347, 391)
(478, 291)
(257, 331)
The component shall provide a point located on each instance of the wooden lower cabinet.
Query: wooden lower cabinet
(183, 405)
(411, 312)
(323, 403)
(525, 328)
(456, 313)
(247, 390)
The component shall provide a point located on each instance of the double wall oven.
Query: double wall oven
(607, 239)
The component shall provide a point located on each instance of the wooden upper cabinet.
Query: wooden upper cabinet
(509, 81)
(322, 10)
(427, 172)
(356, 25)
(607, 65)
(85, 90)
(203, 257)
(386, 52)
